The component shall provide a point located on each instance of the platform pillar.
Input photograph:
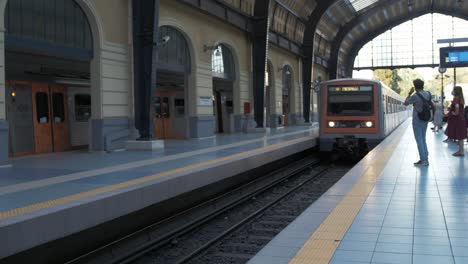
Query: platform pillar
(145, 48)
(259, 57)
(308, 48)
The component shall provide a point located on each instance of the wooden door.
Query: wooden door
(157, 119)
(42, 116)
(286, 110)
(59, 118)
(162, 122)
(177, 126)
(219, 112)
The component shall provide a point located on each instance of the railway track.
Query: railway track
(191, 236)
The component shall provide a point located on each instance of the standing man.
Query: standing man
(421, 102)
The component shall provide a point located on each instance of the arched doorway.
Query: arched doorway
(286, 95)
(223, 70)
(170, 99)
(48, 52)
(269, 85)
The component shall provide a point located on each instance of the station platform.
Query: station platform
(385, 210)
(46, 198)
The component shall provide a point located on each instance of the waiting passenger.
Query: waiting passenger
(456, 128)
(438, 116)
(420, 101)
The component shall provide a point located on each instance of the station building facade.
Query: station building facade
(66, 77)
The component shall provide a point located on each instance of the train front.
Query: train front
(349, 117)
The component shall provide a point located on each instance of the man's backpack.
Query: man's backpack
(465, 112)
(427, 108)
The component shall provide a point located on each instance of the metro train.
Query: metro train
(357, 114)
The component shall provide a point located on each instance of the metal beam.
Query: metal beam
(452, 40)
(373, 34)
(222, 11)
(308, 52)
(395, 67)
(241, 21)
(145, 34)
(345, 29)
(259, 56)
(281, 41)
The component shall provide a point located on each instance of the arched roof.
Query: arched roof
(382, 16)
(337, 29)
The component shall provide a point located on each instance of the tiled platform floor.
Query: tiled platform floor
(42, 178)
(410, 215)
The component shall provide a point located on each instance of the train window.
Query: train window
(42, 107)
(345, 104)
(82, 107)
(387, 108)
(58, 106)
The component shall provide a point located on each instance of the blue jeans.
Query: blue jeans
(419, 129)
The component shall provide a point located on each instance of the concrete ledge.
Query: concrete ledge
(109, 134)
(275, 120)
(23, 232)
(258, 130)
(144, 145)
(201, 126)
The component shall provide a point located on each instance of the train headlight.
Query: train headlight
(369, 124)
(331, 124)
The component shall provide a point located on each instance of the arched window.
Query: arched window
(48, 27)
(222, 63)
(174, 55)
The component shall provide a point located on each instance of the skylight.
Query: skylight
(359, 5)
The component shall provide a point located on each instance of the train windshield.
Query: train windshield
(350, 100)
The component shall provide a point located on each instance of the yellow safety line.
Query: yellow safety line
(74, 197)
(321, 245)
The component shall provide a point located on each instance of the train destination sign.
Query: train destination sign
(350, 89)
(452, 57)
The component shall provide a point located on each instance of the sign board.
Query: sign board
(452, 57)
(205, 101)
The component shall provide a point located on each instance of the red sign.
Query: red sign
(246, 108)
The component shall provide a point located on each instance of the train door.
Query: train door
(169, 119)
(20, 119)
(50, 118)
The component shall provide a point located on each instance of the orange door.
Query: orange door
(42, 122)
(59, 120)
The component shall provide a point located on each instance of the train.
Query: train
(356, 115)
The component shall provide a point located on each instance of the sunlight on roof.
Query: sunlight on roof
(359, 5)
(413, 43)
